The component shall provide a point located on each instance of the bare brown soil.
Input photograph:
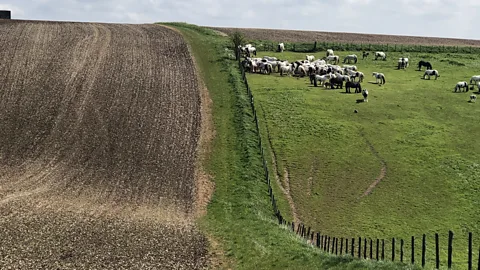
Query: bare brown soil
(310, 36)
(99, 131)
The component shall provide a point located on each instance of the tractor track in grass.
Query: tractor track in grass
(101, 134)
(285, 186)
(383, 170)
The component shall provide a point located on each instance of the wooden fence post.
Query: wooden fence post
(359, 247)
(378, 242)
(346, 246)
(328, 244)
(437, 252)
(383, 249)
(308, 232)
(393, 249)
(318, 239)
(413, 250)
(424, 248)
(401, 250)
(352, 249)
(341, 246)
(365, 248)
(469, 251)
(450, 242)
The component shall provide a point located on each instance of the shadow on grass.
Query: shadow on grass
(352, 93)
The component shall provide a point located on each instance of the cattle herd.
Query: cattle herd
(327, 73)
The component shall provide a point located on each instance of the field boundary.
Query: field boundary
(373, 249)
(316, 46)
(271, 37)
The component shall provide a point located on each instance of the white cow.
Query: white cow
(365, 95)
(380, 55)
(379, 77)
(431, 72)
(475, 78)
(460, 86)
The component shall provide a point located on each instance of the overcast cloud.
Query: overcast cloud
(439, 18)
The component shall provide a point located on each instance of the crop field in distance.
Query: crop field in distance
(357, 38)
(99, 129)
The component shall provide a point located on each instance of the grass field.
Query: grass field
(240, 221)
(424, 132)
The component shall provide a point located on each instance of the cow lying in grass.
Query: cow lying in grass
(473, 98)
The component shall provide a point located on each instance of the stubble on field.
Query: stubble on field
(100, 125)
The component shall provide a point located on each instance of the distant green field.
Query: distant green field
(426, 134)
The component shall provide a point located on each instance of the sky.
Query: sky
(433, 18)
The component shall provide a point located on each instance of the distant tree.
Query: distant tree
(237, 39)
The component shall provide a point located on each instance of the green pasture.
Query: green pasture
(426, 134)
(240, 222)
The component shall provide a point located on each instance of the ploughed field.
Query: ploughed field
(99, 130)
(310, 36)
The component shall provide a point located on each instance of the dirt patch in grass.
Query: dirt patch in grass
(383, 170)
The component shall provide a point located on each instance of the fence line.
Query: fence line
(323, 241)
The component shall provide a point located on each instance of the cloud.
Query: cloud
(441, 18)
(14, 9)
